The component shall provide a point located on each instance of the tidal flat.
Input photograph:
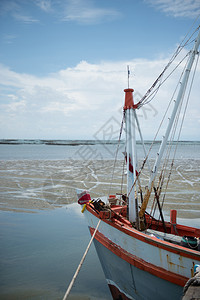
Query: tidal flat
(27, 185)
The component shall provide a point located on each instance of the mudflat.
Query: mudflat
(26, 185)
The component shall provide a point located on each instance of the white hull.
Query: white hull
(139, 266)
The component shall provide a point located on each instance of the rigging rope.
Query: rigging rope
(151, 146)
(156, 90)
(150, 91)
(80, 264)
(114, 165)
(164, 169)
(159, 129)
(184, 113)
(166, 160)
(145, 100)
(122, 181)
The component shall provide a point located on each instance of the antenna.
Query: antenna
(128, 70)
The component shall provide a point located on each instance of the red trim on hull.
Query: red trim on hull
(138, 262)
(186, 252)
(116, 294)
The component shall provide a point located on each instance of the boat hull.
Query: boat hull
(128, 282)
(138, 266)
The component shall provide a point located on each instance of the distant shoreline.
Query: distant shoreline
(55, 142)
(75, 142)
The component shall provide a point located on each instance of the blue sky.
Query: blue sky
(63, 64)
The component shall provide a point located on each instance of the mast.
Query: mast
(180, 95)
(129, 110)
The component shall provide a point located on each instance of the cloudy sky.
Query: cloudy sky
(63, 65)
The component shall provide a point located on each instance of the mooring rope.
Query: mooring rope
(80, 264)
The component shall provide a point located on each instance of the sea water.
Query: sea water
(82, 151)
(40, 252)
(43, 234)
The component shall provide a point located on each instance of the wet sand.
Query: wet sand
(28, 185)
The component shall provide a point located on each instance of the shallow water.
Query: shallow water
(40, 253)
(43, 234)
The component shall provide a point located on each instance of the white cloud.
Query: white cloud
(85, 12)
(16, 106)
(25, 18)
(44, 5)
(177, 8)
(77, 102)
(81, 11)
(15, 8)
(9, 38)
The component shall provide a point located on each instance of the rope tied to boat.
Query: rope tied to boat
(192, 282)
(81, 263)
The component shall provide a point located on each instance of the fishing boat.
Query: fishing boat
(143, 256)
